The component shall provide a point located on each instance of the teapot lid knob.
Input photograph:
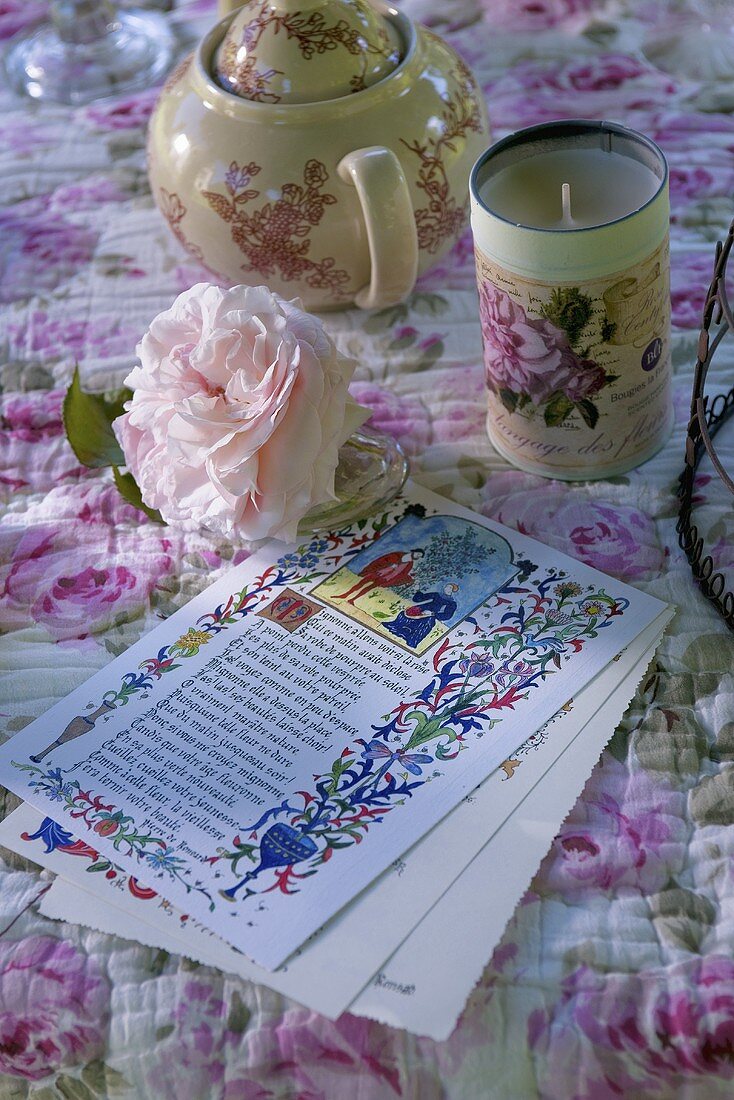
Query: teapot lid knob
(305, 51)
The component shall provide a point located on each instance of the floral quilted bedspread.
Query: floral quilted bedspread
(615, 976)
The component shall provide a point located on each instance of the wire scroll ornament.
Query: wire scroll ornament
(706, 419)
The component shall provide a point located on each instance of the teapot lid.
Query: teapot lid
(304, 51)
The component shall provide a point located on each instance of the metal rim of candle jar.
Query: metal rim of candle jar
(706, 419)
(566, 128)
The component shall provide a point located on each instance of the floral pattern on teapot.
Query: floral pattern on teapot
(240, 71)
(274, 237)
(444, 217)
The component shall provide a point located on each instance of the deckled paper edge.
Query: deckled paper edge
(442, 1035)
(142, 933)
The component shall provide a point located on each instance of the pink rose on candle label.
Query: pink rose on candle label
(239, 409)
(525, 355)
(531, 360)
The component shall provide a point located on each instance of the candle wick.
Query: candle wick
(566, 202)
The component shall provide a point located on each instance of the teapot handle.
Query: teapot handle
(392, 237)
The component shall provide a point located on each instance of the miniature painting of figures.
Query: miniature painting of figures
(420, 578)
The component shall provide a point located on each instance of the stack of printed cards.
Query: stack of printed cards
(336, 743)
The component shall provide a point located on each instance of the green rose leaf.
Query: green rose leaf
(589, 411)
(88, 424)
(71, 1088)
(239, 1015)
(103, 1080)
(557, 409)
(508, 399)
(712, 801)
(128, 488)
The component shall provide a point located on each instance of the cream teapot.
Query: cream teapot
(320, 146)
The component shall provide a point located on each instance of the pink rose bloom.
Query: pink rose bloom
(54, 1007)
(129, 113)
(664, 1032)
(240, 407)
(522, 354)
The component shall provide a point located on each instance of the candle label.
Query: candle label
(578, 373)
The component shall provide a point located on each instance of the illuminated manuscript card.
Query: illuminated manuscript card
(326, 974)
(261, 756)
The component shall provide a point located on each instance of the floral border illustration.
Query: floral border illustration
(472, 684)
(56, 839)
(159, 858)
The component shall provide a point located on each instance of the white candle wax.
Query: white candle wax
(603, 187)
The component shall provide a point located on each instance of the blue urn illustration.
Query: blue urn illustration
(280, 846)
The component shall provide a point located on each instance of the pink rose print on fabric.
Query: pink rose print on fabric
(39, 336)
(19, 15)
(470, 1033)
(70, 580)
(86, 194)
(131, 112)
(455, 271)
(692, 182)
(21, 134)
(664, 1032)
(614, 538)
(535, 15)
(34, 454)
(304, 1055)
(190, 1064)
(40, 250)
(690, 276)
(54, 1007)
(404, 418)
(626, 831)
(611, 85)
